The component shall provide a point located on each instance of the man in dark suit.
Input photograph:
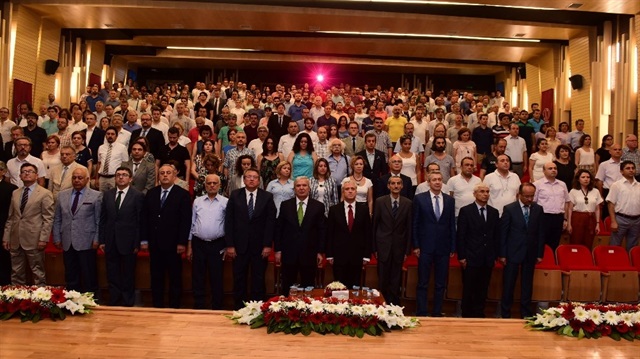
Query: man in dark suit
(76, 230)
(9, 147)
(392, 238)
(278, 122)
(95, 135)
(120, 220)
(143, 171)
(395, 165)
(250, 224)
(166, 221)
(218, 104)
(300, 236)
(154, 137)
(349, 237)
(478, 241)
(434, 236)
(375, 165)
(521, 247)
(6, 190)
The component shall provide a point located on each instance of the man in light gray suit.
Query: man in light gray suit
(144, 172)
(60, 176)
(75, 230)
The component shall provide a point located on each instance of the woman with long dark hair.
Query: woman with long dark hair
(322, 186)
(583, 217)
(269, 159)
(302, 156)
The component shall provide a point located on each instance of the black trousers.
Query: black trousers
(552, 229)
(164, 263)
(242, 264)
(605, 208)
(80, 270)
(207, 258)
(121, 274)
(348, 272)
(475, 281)
(5, 267)
(290, 272)
(390, 277)
(510, 276)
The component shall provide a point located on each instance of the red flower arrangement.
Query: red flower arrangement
(31, 303)
(592, 320)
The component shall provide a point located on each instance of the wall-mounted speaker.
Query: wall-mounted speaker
(576, 82)
(522, 72)
(50, 67)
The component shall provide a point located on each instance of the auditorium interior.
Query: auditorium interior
(578, 59)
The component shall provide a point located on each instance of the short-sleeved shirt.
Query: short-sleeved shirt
(179, 154)
(625, 195)
(462, 190)
(551, 195)
(446, 164)
(609, 172)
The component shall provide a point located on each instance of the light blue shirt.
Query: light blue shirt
(281, 192)
(207, 220)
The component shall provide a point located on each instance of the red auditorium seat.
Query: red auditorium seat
(454, 279)
(581, 278)
(547, 279)
(620, 277)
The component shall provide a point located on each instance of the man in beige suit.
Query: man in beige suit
(27, 230)
(60, 176)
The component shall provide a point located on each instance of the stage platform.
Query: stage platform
(112, 332)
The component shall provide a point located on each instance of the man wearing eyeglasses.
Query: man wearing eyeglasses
(554, 198)
(28, 227)
(5, 125)
(249, 229)
(23, 147)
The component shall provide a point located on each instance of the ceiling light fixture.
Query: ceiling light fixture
(451, 3)
(208, 48)
(428, 36)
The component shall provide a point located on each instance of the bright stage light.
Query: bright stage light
(320, 78)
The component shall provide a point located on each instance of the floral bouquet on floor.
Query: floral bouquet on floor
(354, 317)
(617, 321)
(31, 303)
(337, 286)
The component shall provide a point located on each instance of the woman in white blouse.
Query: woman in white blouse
(537, 160)
(583, 217)
(585, 155)
(364, 185)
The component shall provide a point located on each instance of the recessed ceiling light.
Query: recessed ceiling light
(208, 48)
(574, 5)
(428, 36)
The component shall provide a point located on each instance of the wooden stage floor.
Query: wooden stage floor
(151, 333)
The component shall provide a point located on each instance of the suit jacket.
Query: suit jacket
(478, 241)
(217, 109)
(166, 227)
(154, 137)
(389, 233)
(34, 225)
(300, 243)
(520, 240)
(380, 186)
(348, 146)
(97, 139)
(344, 246)
(243, 233)
(7, 154)
(82, 227)
(56, 183)
(145, 177)
(120, 229)
(431, 235)
(275, 129)
(6, 190)
(380, 166)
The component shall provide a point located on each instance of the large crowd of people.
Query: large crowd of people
(338, 176)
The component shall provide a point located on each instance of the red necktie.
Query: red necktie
(350, 218)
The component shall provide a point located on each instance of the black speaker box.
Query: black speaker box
(50, 67)
(576, 82)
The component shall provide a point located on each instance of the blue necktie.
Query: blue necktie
(163, 198)
(250, 205)
(436, 209)
(526, 214)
